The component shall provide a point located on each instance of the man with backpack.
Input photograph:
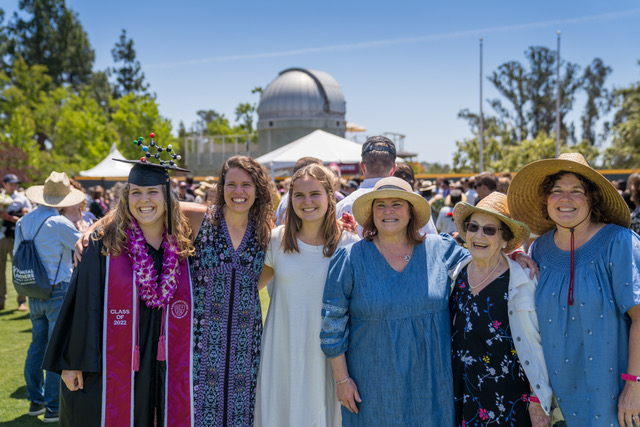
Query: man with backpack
(18, 207)
(53, 236)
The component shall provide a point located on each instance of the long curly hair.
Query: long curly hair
(114, 230)
(331, 231)
(261, 212)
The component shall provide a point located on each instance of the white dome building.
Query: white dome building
(296, 103)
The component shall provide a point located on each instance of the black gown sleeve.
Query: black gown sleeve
(75, 343)
(76, 340)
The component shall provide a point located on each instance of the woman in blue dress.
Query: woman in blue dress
(588, 292)
(385, 314)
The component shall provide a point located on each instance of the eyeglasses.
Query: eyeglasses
(487, 230)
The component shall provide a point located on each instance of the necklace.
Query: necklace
(406, 257)
(155, 295)
(485, 279)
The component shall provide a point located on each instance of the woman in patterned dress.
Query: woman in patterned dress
(499, 373)
(230, 250)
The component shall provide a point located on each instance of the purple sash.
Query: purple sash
(119, 338)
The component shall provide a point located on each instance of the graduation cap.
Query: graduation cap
(145, 172)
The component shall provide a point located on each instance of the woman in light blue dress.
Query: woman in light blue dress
(385, 314)
(588, 292)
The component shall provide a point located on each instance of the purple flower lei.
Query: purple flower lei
(155, 295)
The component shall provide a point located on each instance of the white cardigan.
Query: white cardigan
(523, 322)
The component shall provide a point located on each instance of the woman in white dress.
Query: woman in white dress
(296, 385)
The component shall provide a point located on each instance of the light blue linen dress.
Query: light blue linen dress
(395, 330)
(586, 345)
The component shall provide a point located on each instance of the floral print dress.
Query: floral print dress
(490, 386)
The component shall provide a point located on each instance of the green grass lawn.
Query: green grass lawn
(15, 336)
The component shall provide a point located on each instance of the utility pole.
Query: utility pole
(558, 101)
(481, 127)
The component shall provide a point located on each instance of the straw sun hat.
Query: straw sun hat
(494, 204)
(525, 202)
(56, 192)
(395, 188)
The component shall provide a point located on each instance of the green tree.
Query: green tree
(624, 151)
(182, 131)
(56, 128)
(432, 168)
(129, 75)
(25, 93)
(100, 89)
(4, 44)
(531, 94)
(499, 157)
(83, 133)
(49, 34)
(221, 126)
(597, 97)
(510, 79)
(524, 128)
(497, 136)
(244, 114)
(135, 116)
(205, 117)
(540, 88)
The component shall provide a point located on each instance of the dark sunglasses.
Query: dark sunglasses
(487, 230)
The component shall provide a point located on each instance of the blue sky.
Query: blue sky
(405, 67)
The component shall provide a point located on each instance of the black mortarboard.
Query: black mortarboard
(145, 173)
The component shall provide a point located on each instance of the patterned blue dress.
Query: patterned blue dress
(586, 345)
(227, 324)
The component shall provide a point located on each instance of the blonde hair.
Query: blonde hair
(114, 230)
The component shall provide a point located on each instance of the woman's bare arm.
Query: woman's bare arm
(265, 277)
(195, 215)
(347, 391)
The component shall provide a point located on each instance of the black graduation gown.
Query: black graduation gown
(76, 344)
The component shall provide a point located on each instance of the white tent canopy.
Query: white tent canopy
(320, 144)
(109, 168)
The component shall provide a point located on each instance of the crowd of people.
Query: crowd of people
(492, 300)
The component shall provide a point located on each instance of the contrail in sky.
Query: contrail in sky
(406, 40)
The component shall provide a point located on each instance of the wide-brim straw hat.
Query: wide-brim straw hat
(448, 202)
(427, 186)
(56, 192)
(494, 204)
(525, 203)
(396, 188)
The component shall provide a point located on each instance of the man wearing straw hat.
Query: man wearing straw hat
(54, 242)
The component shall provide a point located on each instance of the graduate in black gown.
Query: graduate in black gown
(121, 337)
